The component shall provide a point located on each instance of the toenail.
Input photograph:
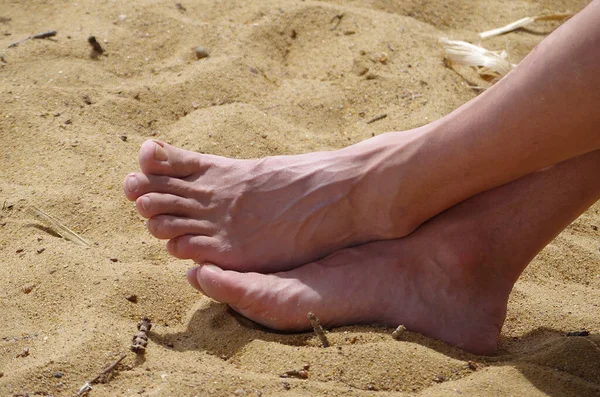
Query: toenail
(145, 201)
(159, 153)
(212, 268)
(132, 183)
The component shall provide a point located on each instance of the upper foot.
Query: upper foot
(265, 215)
(429, 287)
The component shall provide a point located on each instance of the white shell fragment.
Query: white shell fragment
(397, 334)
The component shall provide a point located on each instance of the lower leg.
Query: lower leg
(542, 113)
(449, 280)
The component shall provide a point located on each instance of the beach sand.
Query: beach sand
(283, 77)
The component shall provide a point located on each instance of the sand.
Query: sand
(283, 76)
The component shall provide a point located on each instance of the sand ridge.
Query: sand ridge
(282, 77)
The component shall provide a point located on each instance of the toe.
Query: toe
(198, 248)
(160, 158)
(225, 286)
(131, 186)
(192, 278)
(153, 204)
(138, 184)
(279, 301)
(168, 226)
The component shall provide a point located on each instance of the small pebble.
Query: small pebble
(59, 375)
(201, 52)
(39, 251)
(594, 227)
(132, 298)
(114, 260)
(472, 365)
(1, 374)
(28, 288)
(123, 138)
(25, 353)
(439, 379)
(286, 386)
(302, 374)
(398, 332)
(240, 392)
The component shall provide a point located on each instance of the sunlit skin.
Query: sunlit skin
(460, 204)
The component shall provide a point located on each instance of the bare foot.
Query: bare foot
(449, 280)
(271, 214)
(412, 281)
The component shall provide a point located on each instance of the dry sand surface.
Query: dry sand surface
(283, 76)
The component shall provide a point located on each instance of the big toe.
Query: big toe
(192, 277)
(160, 158)
(266, 299)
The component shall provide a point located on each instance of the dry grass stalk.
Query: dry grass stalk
(61, 229)
(486, 62)
(521, 23)
(88, 385)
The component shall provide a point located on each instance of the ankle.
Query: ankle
(388, 184)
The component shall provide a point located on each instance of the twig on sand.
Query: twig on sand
(338, 19)
(295, 373)
(140, 340)
(316, 324)
(578, 333)
(88, 385)
(380, 117)
(44, 35)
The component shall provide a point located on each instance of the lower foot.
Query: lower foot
(271, 214)
(444, 295)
